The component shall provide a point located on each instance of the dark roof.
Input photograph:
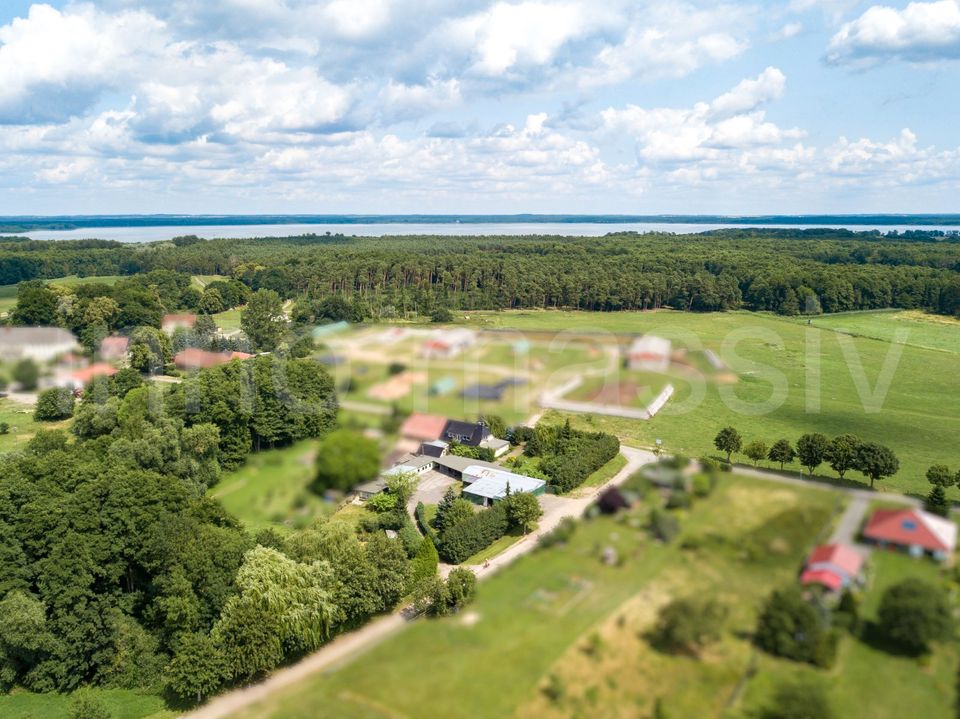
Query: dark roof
(469, 433)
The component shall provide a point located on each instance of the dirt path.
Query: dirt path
(849, 524)
(348, 645)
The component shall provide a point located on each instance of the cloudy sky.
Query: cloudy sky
(382, 106)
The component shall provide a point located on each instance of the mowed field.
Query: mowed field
(535, 622)
(909, 327)
(23, 427)
(794, 378)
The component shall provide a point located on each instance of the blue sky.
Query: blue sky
(384, 106)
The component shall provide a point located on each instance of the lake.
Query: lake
(577, 229)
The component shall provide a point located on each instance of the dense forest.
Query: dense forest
(785, 271)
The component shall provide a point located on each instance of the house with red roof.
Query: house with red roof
(914, 531)
(833, 567)
(171, 322)
(80, 378)
(423, 427)
(114, 347)
(193, 358)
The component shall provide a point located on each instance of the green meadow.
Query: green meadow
(793, 378)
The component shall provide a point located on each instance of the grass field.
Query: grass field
(272, 489)
(22, 425)
(530, 620)
(910, 327)
(229, 320)
(201, 281)
(121, 703)
(866, 681)
(813, 374)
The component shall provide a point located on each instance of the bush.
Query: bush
(4, 428)
(678, 499)
(664, 526)
(799, 700)
(790, 627)
(395, 368)
(54, 404)
(704, 484)
(26, 374)
(913, 614)
(84, 705)
(461, 587)
(473, 534)
(410, 538)
(424, 565)
(687, 625)
(382, 502)
(420, 514)
(560, 534)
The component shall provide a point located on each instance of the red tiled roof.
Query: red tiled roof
(823, 577)
(114, 343)
(839, 555)
(912, 527)
(423, 426)
(98, 369)
(185, 318)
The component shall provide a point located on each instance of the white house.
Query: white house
(649, 353)
(40, 344)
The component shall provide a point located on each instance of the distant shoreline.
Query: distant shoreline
(31, 223)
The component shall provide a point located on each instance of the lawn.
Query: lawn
(779, 393)
(908, 326)
(22, 425)
(121, 703)
(868, 681)
(8, 298)
(229, 320)
(507, 540)
(201, 281)
(529, 620)
(272, 489)
(605, 473)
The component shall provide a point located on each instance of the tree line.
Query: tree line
(785, 271)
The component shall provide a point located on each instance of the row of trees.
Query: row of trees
(842, 453)
(461, 531)
(568, 456)
(789, 271)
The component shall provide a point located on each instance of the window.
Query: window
(908, 524)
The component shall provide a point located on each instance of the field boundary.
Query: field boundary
(553, 399)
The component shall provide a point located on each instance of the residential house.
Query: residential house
(80, 378)
(649, 353)
(833, 567)
(423, 427)
(172, 322)
(913, 530)
(474, 434)
(40, 344)
(193, 358)
(114, 348)
(436, 448)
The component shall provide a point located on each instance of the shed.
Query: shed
(486, 485)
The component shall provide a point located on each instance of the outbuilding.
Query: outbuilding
(485, 485)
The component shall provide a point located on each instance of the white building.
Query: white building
(40, 344)
(649, 353)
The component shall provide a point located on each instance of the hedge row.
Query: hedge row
(471, 535)
(421, 514)
(582, 456)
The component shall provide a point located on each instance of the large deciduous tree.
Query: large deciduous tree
(812, 450)
(728, 440)
(345, 459)
(263, 320)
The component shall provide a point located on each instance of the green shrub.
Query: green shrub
(420, 514)
(664, 526)
(678, 499)
(424, 564)
(790, 627)
(473, 534)
(54, 404)
(409, 538)
(558, 535)
(382, 502)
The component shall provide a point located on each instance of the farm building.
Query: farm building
(423, 427)
(435, 448)
(415, 464)
(914, 531)
(649, 353)
(448, 343)
(368, 489)
(485, 485)
(169, 323)
(834, 567)
(40, 344)
(114, 347)
(193, 358)
(454, 466)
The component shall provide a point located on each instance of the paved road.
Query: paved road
(347, 645)
(849, 525)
